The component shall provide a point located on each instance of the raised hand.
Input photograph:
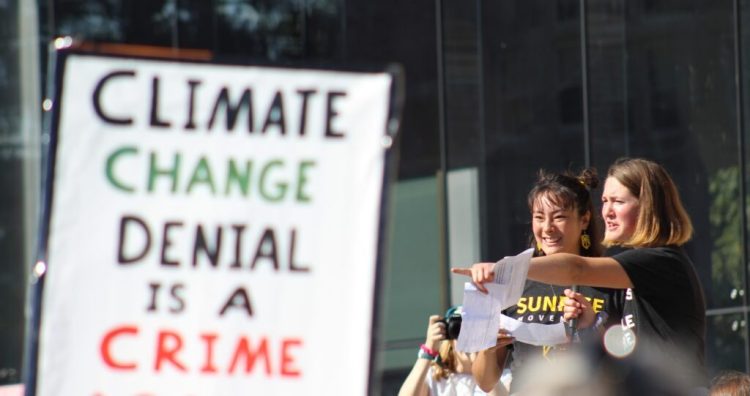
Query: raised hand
(435, 333)
(479, 273)
(576, 306)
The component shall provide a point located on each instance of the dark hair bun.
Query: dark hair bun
(589, 178)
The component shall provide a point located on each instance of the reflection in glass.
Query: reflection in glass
(532, 87)
(726, 255)
(725, 342)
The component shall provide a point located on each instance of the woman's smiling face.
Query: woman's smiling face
(557, 229)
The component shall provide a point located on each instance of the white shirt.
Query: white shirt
(457, 384)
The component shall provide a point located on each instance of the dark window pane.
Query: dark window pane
(726, 342)
(532, 101)
(675, 89)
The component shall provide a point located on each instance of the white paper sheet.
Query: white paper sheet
(482, 312)
(534, 333)
(511, 273)
(480, 318)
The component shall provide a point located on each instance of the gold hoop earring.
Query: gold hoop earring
(538, 247)
(585, 240)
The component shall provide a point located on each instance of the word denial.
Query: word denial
(206, 242)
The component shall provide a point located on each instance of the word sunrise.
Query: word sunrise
(204, 108)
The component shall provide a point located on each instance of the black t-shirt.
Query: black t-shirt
(666, 310)
(543, 303)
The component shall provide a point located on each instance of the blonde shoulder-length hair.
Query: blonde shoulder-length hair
(662, 219)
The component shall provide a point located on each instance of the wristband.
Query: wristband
(422, 355)
(429, 351)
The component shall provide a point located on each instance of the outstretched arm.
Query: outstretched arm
(569, 269)
(559, 269)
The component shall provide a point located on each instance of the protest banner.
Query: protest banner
(211, 229)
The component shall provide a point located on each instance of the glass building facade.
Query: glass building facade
(495, 90)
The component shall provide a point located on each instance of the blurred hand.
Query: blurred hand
(576, 306)
(480, 273)
(504, 338)
(435, 333)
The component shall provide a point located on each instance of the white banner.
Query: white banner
(213, 230)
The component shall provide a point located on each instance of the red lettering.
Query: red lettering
(165, 352)
(243, 349)
(287, 360)
(208, 366)
(105, 347)
(239, 355)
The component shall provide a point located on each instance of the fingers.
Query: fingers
(461, 271)
(478, 276)
(576, 306)
(480, 273)
(571, 312)
(504, 339)
(486, 271)
(504, 333)
(435, 332)
(572, 294)
(571, 307)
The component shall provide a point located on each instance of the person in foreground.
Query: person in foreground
(663, 318)
(730, 383)
(562, 220)
(441, 370)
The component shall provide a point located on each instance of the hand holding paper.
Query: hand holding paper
(480, 318)
(495, 287)
(480, 273)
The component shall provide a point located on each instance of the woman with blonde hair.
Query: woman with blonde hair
(664, 311)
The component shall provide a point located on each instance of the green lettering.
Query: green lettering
(202, 175)
(280, 186)
(241, 180)
(154, 171)
(110, 172)
(302, 196)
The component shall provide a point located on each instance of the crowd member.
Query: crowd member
(664, 309)
(730, 383)
(441, 370)
(562, 220)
